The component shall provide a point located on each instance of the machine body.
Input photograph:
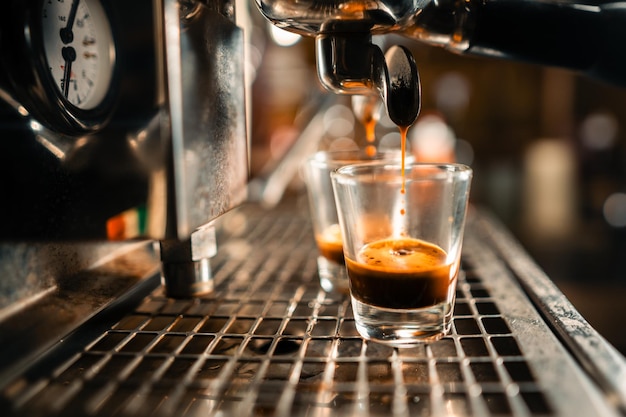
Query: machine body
(120, 120)
(584, 36)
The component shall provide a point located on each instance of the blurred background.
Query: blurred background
(547, 147)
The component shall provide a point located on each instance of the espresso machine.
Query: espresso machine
(581, 36)
(135, 278)
(122, 121)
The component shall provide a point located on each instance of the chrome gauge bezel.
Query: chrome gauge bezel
(82, 28)
(44, 97)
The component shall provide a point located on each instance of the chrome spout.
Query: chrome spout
(349, 63)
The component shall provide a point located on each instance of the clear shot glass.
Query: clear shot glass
(402, 234)
(316, 172)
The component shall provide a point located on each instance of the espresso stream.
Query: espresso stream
(400, 273)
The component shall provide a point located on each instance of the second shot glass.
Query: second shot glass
(316, 172)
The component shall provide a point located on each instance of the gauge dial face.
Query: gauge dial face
(79, 50)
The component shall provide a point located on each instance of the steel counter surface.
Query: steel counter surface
(270, 341)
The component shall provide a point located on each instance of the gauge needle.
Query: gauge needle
(67, 36)
(69, 56)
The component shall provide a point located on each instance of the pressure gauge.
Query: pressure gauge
(60, 63)
(78, 47)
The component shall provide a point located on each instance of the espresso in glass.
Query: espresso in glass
(330, 245)
(402, 227)
(401, 273)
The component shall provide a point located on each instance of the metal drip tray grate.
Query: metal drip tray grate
(269, 341)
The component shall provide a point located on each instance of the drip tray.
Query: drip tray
(270, 341)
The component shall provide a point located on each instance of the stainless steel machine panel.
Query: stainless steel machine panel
(161, 150)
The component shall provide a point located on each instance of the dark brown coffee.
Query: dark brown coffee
(330, 244)
(401, 273)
